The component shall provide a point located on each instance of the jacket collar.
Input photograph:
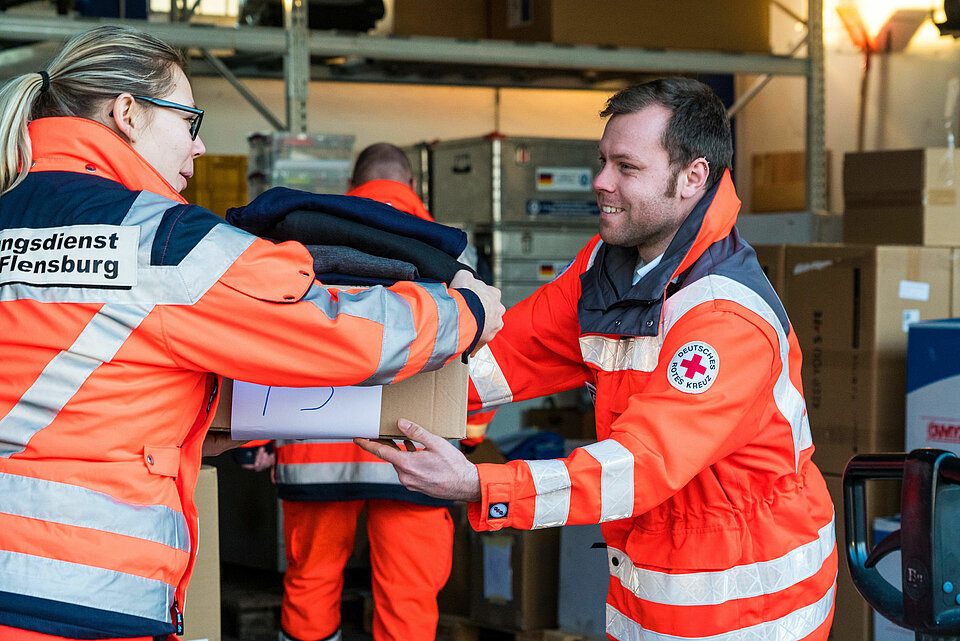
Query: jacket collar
(84, 146)
(393, 193)
(607, 284)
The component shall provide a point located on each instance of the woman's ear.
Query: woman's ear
(125, 116)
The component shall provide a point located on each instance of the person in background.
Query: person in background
(717, 523)
(324, 485)
(120, 307)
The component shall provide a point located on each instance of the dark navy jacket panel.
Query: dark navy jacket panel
(733, 258)
(60, 198)
(31, 613)
(182, 227)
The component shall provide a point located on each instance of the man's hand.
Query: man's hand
(493, 309)
(263, 460)
(439, 470)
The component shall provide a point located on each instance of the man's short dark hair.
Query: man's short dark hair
(698, 124)
(381, 161)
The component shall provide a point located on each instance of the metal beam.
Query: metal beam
(296, 64)
(479, 52)
(816, 129)
(222, 69)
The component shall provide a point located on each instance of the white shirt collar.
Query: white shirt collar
(644, 268)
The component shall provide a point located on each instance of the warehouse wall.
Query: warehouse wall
(905, 100)
(399, 113)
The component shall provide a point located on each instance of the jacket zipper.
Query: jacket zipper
(177, 617)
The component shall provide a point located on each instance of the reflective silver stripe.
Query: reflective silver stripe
(792, 627)
(789, 400)
(81, 507)
(323, 299)
(448, 326)
(552, 482)
(640, 353)
(616, 478)
(382, 306)
(593, 254)
(386, 308)
(740, 582)
(84, 585)
(66, 372)
(182, 284)
(313, 473)
(489, 380)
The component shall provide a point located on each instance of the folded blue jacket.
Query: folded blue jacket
(273, 205)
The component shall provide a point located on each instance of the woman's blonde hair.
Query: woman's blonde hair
(93, 67)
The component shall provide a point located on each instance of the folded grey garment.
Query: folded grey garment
(347, 260)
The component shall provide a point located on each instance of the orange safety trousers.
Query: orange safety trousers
(411, 551)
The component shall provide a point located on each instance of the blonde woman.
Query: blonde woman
(120, 305)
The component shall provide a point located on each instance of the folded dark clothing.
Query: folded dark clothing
(271, 206)
(331, 278)
(347, 260)
(320, 228)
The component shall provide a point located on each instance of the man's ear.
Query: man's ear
(693, 179)
(125, 116)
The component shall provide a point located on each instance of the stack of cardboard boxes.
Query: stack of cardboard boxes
(852, 305)
(734, 25)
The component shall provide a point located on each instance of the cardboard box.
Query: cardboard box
(514, 579)
(436, 400)
(853, 617)
(851, 307)
(933, 386)
(905, 197)
(461, 19)
(779, 181)
(201, 616)
(734, 25)
(772, 260)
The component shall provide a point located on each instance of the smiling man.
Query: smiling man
(717, 523)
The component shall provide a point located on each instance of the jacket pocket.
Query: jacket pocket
(163, 460)
(713, 547)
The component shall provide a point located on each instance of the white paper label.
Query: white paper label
(564, 179)
(87, 255)
(910, 316)
(913, 290)
(817, 265)
(304, 412)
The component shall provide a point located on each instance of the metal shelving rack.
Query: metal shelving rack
(296, 44)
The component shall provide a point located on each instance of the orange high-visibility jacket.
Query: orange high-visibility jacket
(117, 301)
(717, 523)
(329, 470)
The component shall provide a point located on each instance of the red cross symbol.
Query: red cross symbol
(693, 366)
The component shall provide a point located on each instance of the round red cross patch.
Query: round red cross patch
(694, 368)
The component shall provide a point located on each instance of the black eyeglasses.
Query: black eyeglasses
(194, 122)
